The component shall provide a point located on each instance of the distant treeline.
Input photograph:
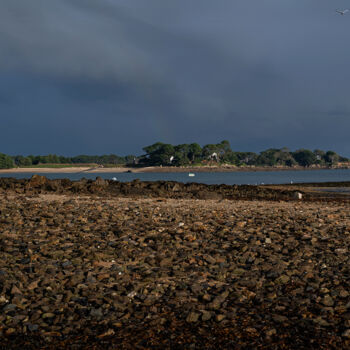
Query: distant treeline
(187, 154)
(82, 159)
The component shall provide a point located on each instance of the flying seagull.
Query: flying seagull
(342, 12)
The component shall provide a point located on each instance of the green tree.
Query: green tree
(224, 151)
(164, 154)
(6, 162)
(194, 152)
(246, 158)
(304, 157)
(331, 157)
(284, 157)
(158, 154)
(268, 157)
(22, 161)
(153, 148)
(181, 154)
(130, 159)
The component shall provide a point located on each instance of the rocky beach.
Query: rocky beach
(99, 264)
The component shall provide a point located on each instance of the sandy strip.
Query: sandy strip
(67, 170)
(152, 169)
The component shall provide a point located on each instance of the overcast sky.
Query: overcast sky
(113, 76)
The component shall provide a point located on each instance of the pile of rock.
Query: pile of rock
(144, 189)
(157, 272)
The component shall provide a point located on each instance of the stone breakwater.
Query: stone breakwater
(88, 271)
(166, 189)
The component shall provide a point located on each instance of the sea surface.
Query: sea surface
(228, 178)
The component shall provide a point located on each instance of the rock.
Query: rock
(132, 295)
(192, 317)
(176, 188)
(37, 181)
(209, 259)
(271, 332)
(97, 313)
(283, 279)
(219, 317)
(15, 290)
(100, 182)
(9, 307)
(33, 285)
(207, 297)
(3, 299)
(31, 327)
(10, 331)
(108, 333)
(344, 293)
(206, 315)
(279, 318)
(238, 271)
(327, 300)
(320, 321)
(66, 264)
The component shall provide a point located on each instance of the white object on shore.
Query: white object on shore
(114, 178)
(298, 195)
(191, 174)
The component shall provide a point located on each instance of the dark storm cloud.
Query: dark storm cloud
(113, 76)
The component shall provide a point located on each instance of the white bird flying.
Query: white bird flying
(342, 12)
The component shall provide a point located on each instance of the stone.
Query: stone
(15, 290)
(283, 279)
(37, 181)
(271, 332)
(33, 285)
(219, 317)
(328, 300)
(97, 313)
(209, 259)
(9, 307)
(48, 315)
(192, 317)
(320, 321)
(279, 318)
(32, 327)
(100, 182)
(206, 315)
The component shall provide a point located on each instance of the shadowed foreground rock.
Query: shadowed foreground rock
(87, 271)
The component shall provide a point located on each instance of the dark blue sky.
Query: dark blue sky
(112, 76)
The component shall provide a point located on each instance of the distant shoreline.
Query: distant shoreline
(155, 169)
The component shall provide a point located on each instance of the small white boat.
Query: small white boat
(114, 178)
(191, 174)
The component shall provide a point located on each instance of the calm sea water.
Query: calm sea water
(228, 178)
